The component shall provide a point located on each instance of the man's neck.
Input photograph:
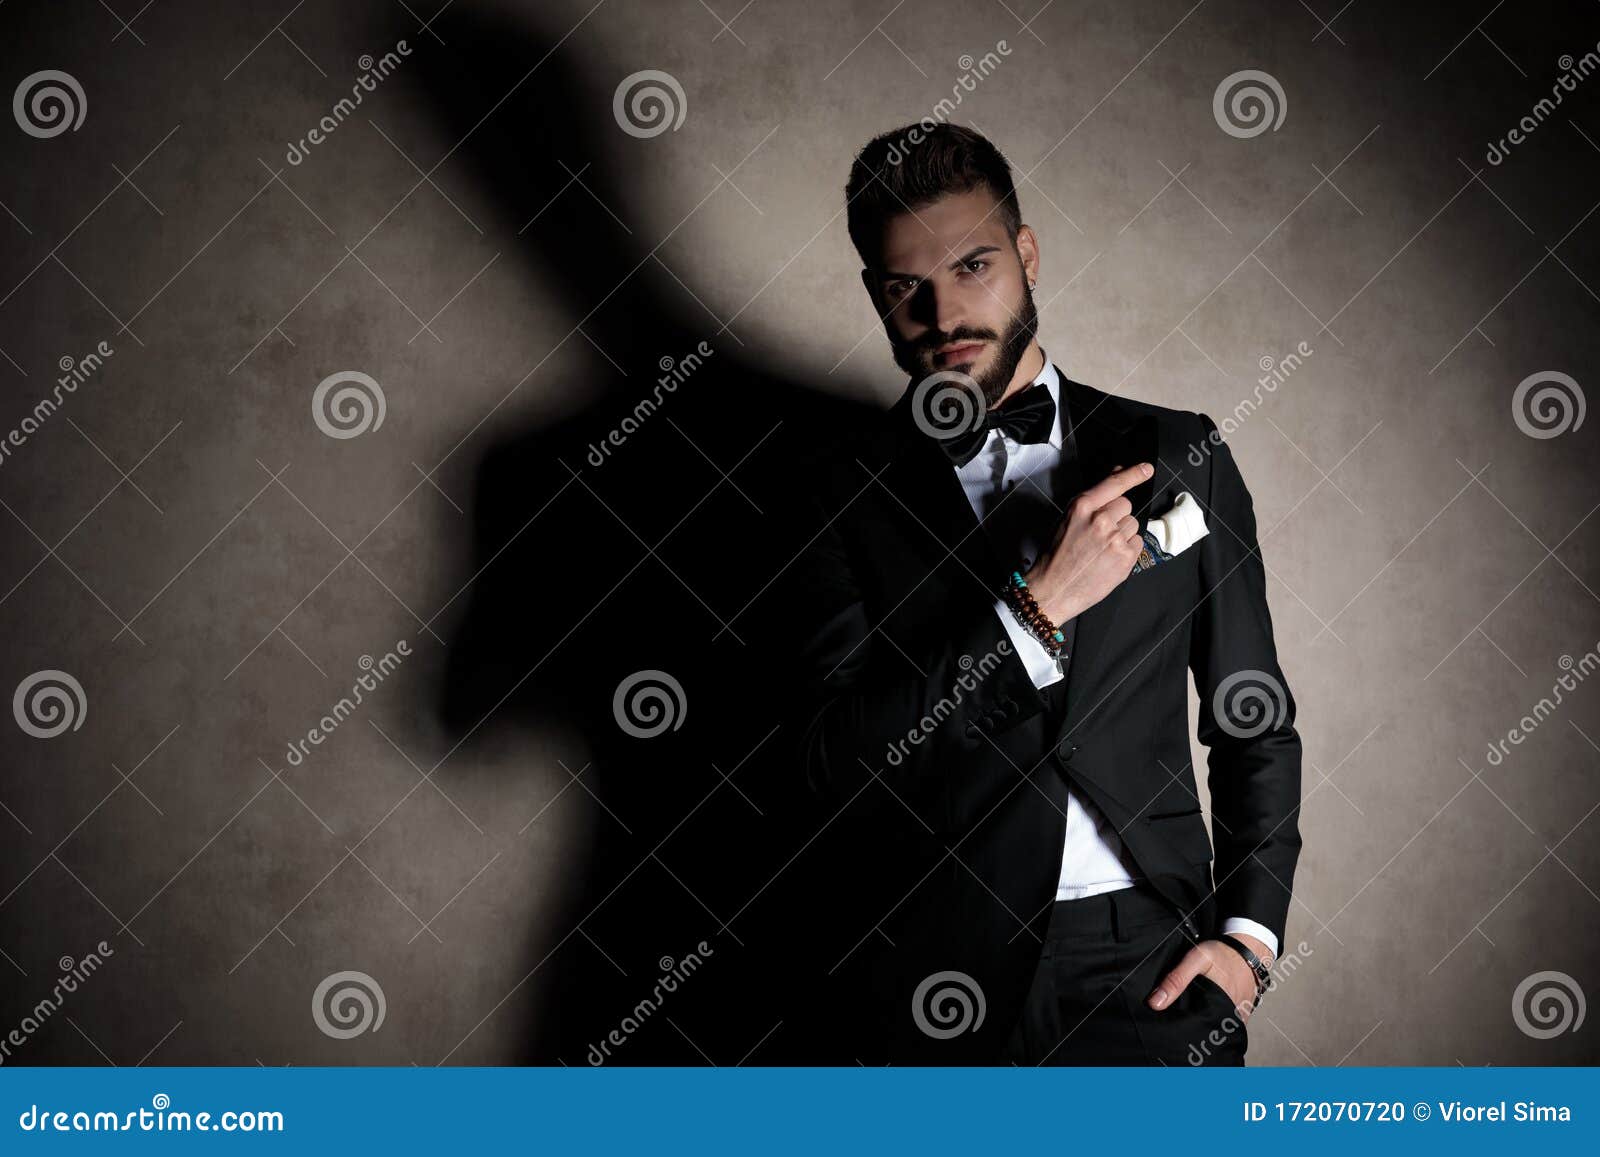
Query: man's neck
(1029, 367)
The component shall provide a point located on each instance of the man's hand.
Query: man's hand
(1222, 964)
(1094, 549)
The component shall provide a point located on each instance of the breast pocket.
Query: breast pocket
(1166, 594)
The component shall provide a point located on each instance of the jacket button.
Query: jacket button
(1068, 750)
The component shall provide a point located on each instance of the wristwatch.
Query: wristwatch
(1262, 972)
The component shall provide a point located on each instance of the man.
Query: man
(1027, 876)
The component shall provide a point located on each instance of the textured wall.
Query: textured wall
(186, 542)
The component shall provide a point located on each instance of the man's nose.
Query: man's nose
(946, 307)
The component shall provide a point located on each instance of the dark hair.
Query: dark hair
(916, 165)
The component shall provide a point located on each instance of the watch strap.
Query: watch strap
(1263, 974)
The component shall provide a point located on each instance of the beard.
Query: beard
(915, 357)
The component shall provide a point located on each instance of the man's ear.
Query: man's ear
(1028, 253)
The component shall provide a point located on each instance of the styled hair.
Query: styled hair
(915, 165)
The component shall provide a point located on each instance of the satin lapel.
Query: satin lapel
(1107, 435)
(924, 488)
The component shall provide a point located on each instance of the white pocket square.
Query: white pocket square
(1173, 533)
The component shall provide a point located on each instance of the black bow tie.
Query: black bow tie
(1028, 416)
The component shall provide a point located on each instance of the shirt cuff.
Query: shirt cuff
(1042, 669)
(1251, 928)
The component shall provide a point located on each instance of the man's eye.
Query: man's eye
(976, 265)
(901, 288)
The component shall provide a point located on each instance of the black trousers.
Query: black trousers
(1102, 957)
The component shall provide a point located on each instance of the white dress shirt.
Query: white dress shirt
(1093, 859)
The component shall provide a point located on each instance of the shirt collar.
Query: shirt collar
(1049, 377)
(1052, 381)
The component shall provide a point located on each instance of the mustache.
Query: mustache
(931, 341)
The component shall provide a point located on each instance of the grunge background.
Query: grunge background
(493, 258)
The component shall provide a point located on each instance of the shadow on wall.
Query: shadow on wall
(645, 534)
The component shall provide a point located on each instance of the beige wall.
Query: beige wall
(1432, 565)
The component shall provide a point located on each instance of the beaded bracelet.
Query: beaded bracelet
(1026, 609)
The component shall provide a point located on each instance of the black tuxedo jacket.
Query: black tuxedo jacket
(940, 772)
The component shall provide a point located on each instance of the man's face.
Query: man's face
(952, 287)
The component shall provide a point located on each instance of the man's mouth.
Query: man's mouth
(956, 355)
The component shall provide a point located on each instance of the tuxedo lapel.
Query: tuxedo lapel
(1107, 436)
(924, 487)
